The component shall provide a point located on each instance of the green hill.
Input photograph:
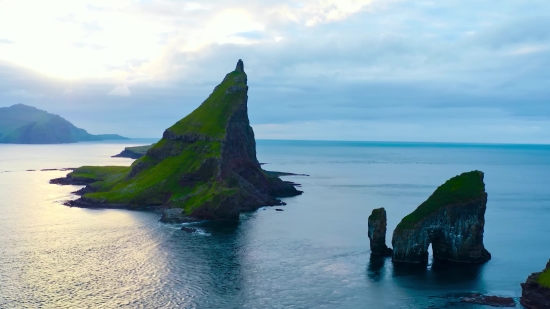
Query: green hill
(22, 124)
(205, 165)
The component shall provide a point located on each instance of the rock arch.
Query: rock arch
(452, 220)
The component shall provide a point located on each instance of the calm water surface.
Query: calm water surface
(315, 254)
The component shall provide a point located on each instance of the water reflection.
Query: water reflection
(206, 265)
(440, 275)
(376, 270)
(451, 272)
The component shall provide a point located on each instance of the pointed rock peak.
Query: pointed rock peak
(240, 66)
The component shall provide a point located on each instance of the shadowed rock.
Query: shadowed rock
(377, 232)
(536, 290)
(452, 220)
(240, 66)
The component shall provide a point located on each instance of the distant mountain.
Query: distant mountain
(23, 124)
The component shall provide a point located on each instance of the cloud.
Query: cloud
(22, 93)
(430, 70)
(121, 91)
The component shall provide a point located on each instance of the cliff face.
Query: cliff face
(377, 232)
(452, 220)
(205, 164)
(21, 124)
(536, 290)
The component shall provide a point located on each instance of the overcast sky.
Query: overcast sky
(446, 70)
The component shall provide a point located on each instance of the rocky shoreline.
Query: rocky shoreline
(536, 295)
(170, 215)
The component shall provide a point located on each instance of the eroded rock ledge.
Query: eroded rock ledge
(452, 220)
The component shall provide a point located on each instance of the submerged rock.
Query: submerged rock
(536, 290)
(494, 301)
(377, 232)
(205, 165)
(188, 229)
(452, 220)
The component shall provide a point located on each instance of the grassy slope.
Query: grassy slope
(544, 278)
(159, 182)
(464, 187)
(210, 118)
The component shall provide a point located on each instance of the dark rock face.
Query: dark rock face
(452, 220)
(535, 295)
(377, 233)
(240, 66)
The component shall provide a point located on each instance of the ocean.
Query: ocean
(314, 254)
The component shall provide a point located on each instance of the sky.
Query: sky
(371, 70)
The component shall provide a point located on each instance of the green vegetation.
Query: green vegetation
(210, 118)
(174, 172)
(142, 150)
(159, 182)
(186, 168)
(544, 278)
(376, 214)
(99, 172)
(22, 124)
(461, 188)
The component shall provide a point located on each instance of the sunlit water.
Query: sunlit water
(315, 254)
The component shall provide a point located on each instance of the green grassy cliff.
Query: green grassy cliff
(205, 164)
(544, 277)
(462, 188)
(22, 124)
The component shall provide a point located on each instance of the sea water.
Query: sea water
(314, 254)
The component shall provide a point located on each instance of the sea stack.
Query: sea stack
(204, 167)
(377, 232)
(452, 220)
(536, 290)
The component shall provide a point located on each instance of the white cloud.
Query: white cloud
(80, 39)
(308, 60)
(121, 91)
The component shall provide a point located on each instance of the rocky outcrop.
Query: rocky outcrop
(205, 165)
(377, 232)
(452, 220)
(536, 290)
(135, 152)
